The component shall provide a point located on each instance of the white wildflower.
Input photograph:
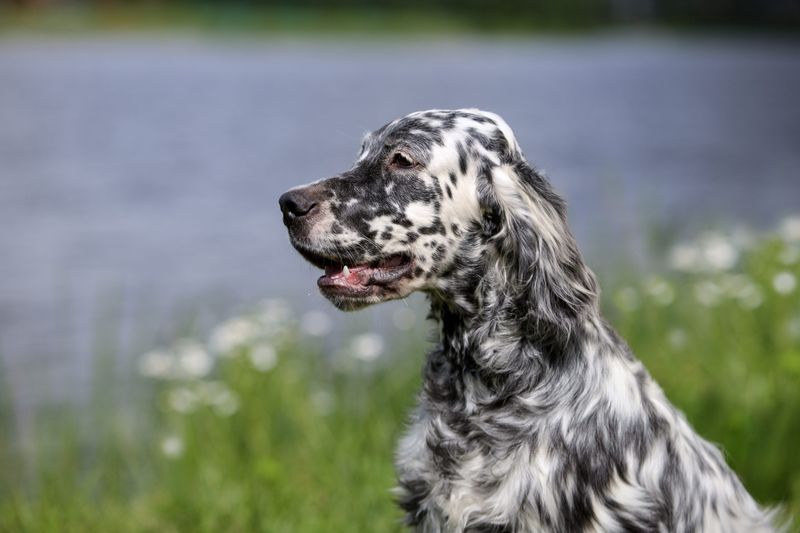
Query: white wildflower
(274, 315)
(677, 338)
(322, 402)
(732, 284)
(719, 253)
(660, 290)
(157, 364)
(790, 255)
(790, 229)
(263, 357)
(206, 391)
(707, 293)
(225, 403)
(742, 289)
(750, 296)
(182, 400)
(193, 359)
(367, 347)
(713, 252)
(743, 238)
(627, 299)
(172, 447)
(234, 333)
(316, 323)
(793, 327)
(404, 318)
(684, 257)
(275, 309)
(218, 396)
(784, 282)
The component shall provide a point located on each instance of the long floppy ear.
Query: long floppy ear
(537, 262)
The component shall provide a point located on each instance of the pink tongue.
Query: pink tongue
(337, 272)
(359, 274)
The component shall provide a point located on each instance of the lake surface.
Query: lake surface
(139, 177)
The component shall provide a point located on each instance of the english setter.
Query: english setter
(534, 415)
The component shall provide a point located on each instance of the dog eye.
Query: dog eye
(401, 160)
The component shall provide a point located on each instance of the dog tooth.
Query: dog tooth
(346, 271)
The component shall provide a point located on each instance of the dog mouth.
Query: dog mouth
(360, 280)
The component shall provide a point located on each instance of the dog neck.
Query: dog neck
(497, 343)
(514, 311)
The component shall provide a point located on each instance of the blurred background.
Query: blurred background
(166, 363)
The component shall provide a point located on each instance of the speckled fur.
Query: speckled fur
(534, 415)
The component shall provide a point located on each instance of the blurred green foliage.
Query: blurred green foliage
(264, 429)
(406, 16)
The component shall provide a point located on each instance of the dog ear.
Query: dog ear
(537, 260)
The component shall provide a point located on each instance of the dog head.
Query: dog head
(444, 202)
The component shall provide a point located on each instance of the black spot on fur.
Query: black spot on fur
(436, 228)
(490, 528)
(437, 188)
(414, 493)
(462, 159)
(438, 254)
(516, 317)
(401, 220)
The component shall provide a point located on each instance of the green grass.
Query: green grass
(281, 436)
(377, 21)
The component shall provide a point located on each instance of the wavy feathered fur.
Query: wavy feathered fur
(534, 415)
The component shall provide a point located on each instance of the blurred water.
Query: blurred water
(139, 177)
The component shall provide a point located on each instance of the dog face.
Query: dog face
(394, 222)
(427, 206)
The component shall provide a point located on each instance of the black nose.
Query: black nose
(296, 203)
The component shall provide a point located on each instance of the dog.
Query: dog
(534, 415)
